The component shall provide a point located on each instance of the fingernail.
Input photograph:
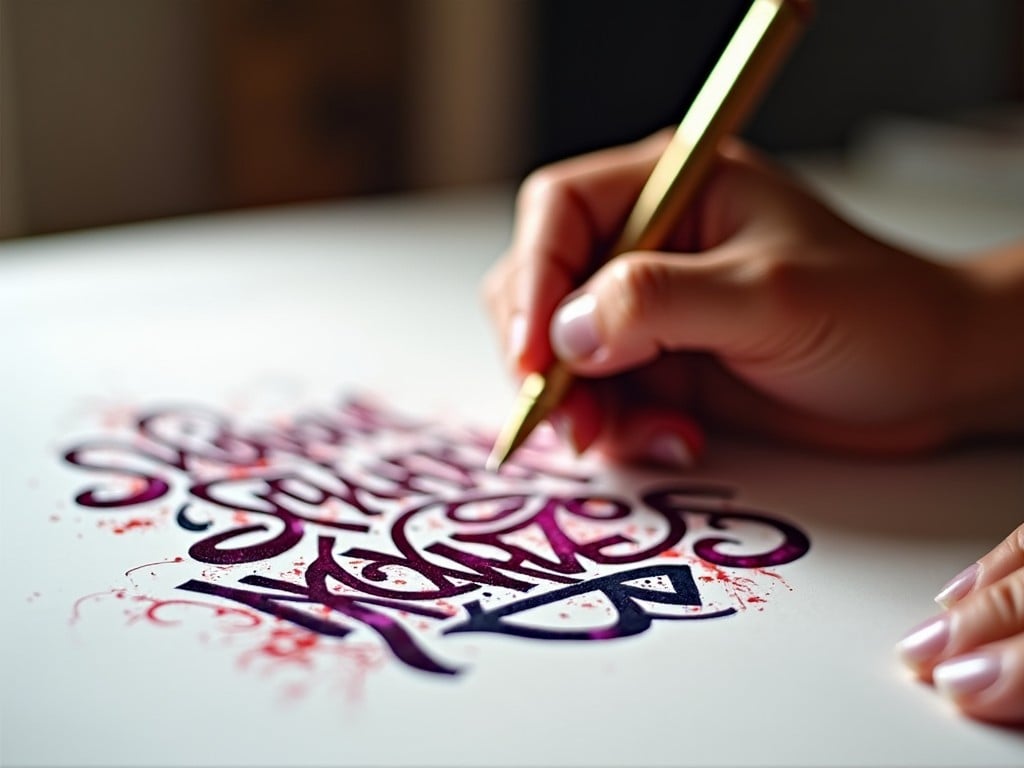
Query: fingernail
(574, 331)
(967, 675)
(958, 586)
(516, 340)
(563, 427)
(924, 641)
(669, 450)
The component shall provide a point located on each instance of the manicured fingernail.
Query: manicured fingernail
(958, 586)
(967, 675)
(516, 340)
(669, 450)
(573, 329)
(925, 641)
(563, 427)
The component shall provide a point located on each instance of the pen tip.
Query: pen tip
(495, 460)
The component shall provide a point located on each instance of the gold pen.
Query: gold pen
(742, 73)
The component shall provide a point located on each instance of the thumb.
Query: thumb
(644, 303)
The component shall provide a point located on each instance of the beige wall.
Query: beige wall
(106, 112)
(470, 91)
(10, 173)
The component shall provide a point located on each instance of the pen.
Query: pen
(741, 74)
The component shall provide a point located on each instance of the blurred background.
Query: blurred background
(121, 110)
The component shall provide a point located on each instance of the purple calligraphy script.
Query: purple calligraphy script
(357, 523)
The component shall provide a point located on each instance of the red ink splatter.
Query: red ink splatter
(77, 606)
(244, 471)
(251, 619)
(447, 607)
(119, 527)
(132, 524)
(740, 587)
(774, 575)
(287, 643)
(158, 562)
(357, 661)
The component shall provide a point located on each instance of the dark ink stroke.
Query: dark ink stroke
(410, 531)
(632, 618)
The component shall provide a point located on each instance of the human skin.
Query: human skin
(783, 321)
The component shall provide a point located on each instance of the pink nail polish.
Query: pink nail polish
(958, 586)
(574, 331)
(967, 675)
(563, 427)
(670, 450)
(516, 340)
(925, 641)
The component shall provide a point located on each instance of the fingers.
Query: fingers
(656, 436)
(974, 651)
(751, 277)
(727, 403)
(637, 418)
(566, 213)
(643, 304)
(996, 565)
(988, 684)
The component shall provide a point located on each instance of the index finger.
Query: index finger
(566, 215)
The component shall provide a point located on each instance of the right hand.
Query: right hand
(765, 313)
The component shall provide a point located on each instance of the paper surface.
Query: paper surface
(294, 398)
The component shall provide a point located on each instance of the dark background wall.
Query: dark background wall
(608, 71)
(114, 111)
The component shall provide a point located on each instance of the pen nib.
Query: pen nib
(496, 459)
(537, 396)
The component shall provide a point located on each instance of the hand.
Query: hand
(764, 313)
(974, 651)
(767, 313)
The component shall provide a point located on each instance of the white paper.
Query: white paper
(258, 318)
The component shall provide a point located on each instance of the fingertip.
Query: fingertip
(957, 588)
(574, 335)
(964, 677)
(655, 437)
(527, 349)
(564, 425)
(919, 648)
(987, 684)
(515, 341)
(577, 420)
(669, 450)
(677, 444)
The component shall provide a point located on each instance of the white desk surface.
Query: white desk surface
(267, 313)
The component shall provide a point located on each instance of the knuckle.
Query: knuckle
(542, 184)
(1015, 541)
(779, 277)
(1003, 602)
(1012, 547)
